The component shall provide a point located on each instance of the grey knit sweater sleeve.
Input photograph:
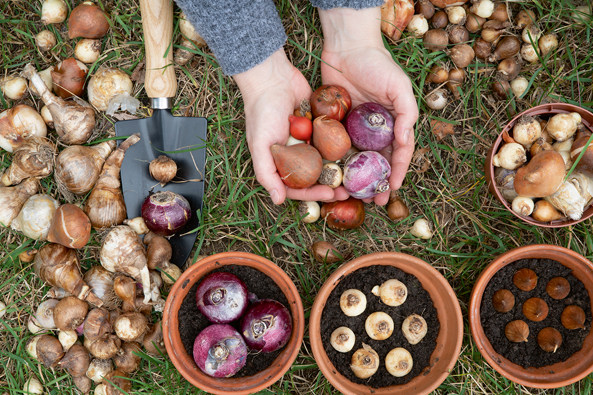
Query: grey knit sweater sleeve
(244, 33)
(240, 33)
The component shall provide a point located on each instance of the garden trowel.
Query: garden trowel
(182, 139)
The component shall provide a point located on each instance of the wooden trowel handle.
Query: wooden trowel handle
(157, 26)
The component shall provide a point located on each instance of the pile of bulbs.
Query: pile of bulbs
(91, 322)
(531, 168)
(378, 326)
(536, 310)
(453, 25)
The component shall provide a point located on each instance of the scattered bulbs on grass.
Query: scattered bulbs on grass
(87, 50)
(437, 99)
(325, 252)
(45, 40)
(309, 211)
(519, 86)
(53, 11)
(18, 124)
(33, 386)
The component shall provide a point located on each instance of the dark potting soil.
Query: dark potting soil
(529, 354)
(192, 321)
(418, 302)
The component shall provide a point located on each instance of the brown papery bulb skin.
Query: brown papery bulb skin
(330, 138)
(158, 252)
(68, 78)
(346, 214)
(474, 23)
(299, 165)
(573, 317)
(503, 301)
(120, 379)
(544, 211)
(508, 69)
(126, 360)
(125, 289)
(438, 74)
(458, 34)
(439, 20)
(104, 347)
(87, 21)
(74, 121)
(83, 383)
(482, 48)
(395, 16)
(456, 78)
(586, 162)
(18, 124)
(425, 8)
(130, 326)
(447, 3)
(325, 252)
(97, 324)
(549, 339)
(70, 227)
(462, 55)
(101, 282)
(558, 288)
(105, 205)
(59, 266)
(436, 40)
(397, 209)
(76, 361)
(525, 279)
(542, 176)
(153, 340)
(70, 313)
(34, 158)
(535, 309)
(500, 12)
(78, 167)
(524, 18)
(49, 351)
(538, 146)
(163, 169)
(508, 46)
(517, 331)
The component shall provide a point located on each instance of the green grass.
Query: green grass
(471, 226)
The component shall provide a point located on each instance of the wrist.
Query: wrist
(347, 28)
(264, 74)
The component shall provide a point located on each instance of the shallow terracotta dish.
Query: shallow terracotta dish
(185, 363)
(543, 109)
(557, 375)
(449, 338)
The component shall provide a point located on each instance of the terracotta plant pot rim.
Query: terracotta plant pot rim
(449, 339)
(185, 363)
(542, 109)
(564, 373)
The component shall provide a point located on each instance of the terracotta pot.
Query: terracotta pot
(448, 340)
(185, 363)
(560, 374)
(543, 109)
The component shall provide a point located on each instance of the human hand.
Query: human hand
(271, 91)
(356, 59)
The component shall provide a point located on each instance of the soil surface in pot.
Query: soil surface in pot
(418, 302)
(529, 354)
(192, 321)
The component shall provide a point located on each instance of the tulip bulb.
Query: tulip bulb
(74, 121)
(525, 279)
(87, 50)
(483, 8)
(395, 16)
(421, 229)
(18, 124)
(53, 11)
(548, 43)
(87, 20)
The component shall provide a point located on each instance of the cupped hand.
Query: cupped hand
(271, 91)
(359, 62)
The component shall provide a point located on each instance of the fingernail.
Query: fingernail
(275, 197)
(407, 134)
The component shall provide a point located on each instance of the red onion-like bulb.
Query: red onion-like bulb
(266, 326)
(165, 212)
(222, 297)
(220, 351)
(370, 127)
(366, 174)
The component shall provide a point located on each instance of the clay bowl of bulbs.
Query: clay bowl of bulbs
(526, 167)
(234, 323)
(386, 323)
(530, 316)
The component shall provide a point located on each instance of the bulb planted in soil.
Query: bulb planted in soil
(525, 279)
(535, 309)
(549, 339)
(558, 288)
(573, 317)
(365, 362)
(379, 326)
(343, 339)
(503, 301)
(517, 331)
(353, 302)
